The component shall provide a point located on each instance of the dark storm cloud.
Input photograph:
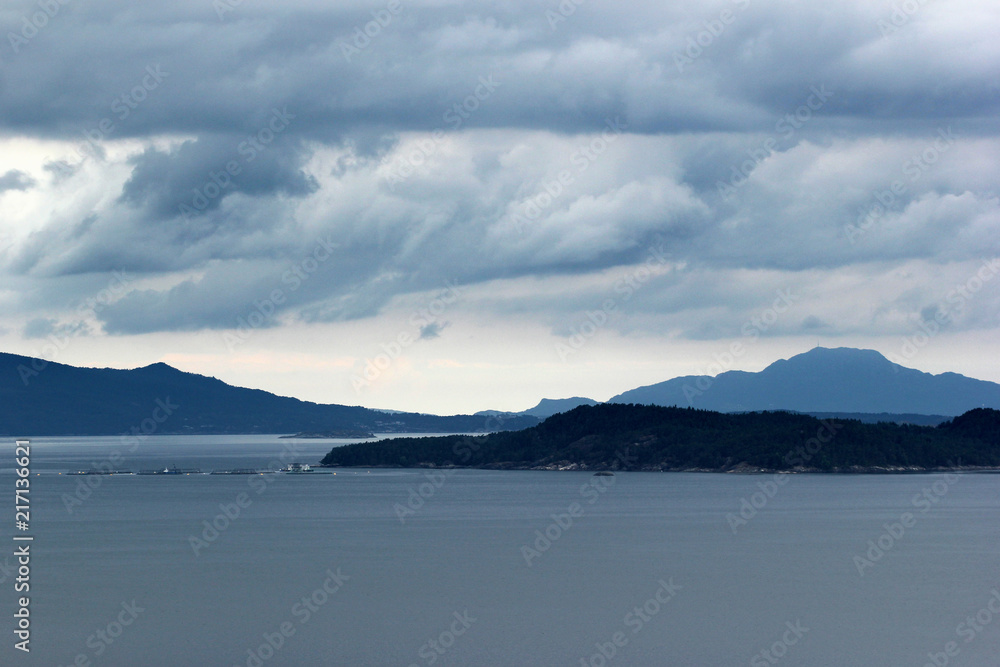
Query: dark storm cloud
(600, 61)
(200, 174)
(751, 137)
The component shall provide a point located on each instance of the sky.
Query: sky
(448, 206)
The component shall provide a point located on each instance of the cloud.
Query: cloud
(600, 62)
(16, 180)
(41, 327)
(486, 145)
(197, 176)
(432, 330)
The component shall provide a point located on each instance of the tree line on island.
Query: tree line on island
(647, 437)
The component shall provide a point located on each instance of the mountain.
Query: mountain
(654, 438)
(824, 380)
(550, 406)
(545, 408)
(40, 398)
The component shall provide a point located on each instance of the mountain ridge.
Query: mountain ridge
(824, 380)
(39, 398)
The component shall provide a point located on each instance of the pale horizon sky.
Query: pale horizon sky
(497, 202)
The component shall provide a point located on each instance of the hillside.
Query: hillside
(42, 398)
(636, 437)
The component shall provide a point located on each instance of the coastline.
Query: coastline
(734, 470)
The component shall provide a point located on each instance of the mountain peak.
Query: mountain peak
(841, 379)
(159, 369)
(550, 406)
(839, 354)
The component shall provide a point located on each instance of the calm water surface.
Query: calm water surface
(392, 567)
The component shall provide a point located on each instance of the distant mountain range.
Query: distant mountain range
(843, 383)
(545, 408)
(45, 398)
(39, 398)
(825, 380)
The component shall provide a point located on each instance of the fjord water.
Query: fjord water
(648, 559)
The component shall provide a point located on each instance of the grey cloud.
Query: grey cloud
(61, 169)
(200, 174)
(814, 323)
(15, 179)
(42, 327)
(432, 330)
(600, 62)
(39, 328)
(453, 218)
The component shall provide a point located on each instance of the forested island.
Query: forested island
(653, 438)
